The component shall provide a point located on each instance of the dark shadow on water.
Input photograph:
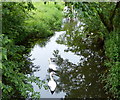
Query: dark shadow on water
(80, 80)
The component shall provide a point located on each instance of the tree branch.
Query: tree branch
(113, 15)
(109, 24)
(114, 11)
(103, 19)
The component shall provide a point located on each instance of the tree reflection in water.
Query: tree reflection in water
(80, 80)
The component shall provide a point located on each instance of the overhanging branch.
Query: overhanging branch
(109, 23)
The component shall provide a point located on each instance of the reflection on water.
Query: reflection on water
(79, 80)
(79, 61)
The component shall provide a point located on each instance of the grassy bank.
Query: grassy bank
(45, 19)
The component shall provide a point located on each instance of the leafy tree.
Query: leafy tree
(15, 59)
(99, 17)
(103, 20)
(17, 40)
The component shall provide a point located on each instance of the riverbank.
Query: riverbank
(104, 25)
(21, 21)
(32, 21)
(45, 19)
(112, 75)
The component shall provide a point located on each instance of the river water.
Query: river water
(79, 60)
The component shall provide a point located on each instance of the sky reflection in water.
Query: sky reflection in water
(79, 61)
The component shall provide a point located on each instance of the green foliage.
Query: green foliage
(112, 78)
(45, 19)
(14, 15)
(16, 64)
(103, 20)
(21, 22)
(97, 16)
(112, 45)
(16, 68)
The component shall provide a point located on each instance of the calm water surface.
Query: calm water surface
(79, 61)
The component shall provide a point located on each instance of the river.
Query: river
(79, 60)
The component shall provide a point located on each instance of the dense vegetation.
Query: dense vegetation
(21, 23)
(103, 21)
(45, 19)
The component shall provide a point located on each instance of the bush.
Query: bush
(112, 63)
(16, 66)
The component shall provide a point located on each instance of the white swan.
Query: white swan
(51, 65)
(52, 84)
